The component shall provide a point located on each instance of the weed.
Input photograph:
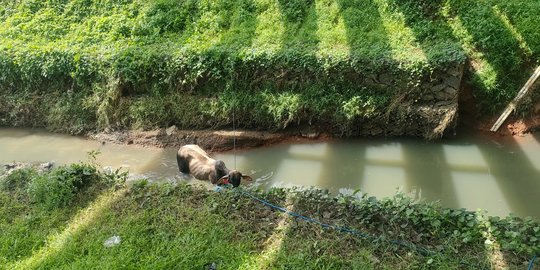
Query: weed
(58, 187)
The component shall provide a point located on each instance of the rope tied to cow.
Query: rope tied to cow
(343, 229)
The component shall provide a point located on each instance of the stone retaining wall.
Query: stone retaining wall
(426, 109)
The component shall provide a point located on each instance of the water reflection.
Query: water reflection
(500, 175)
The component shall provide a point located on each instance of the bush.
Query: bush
(17, 180)
(59, 187)
(118, 63)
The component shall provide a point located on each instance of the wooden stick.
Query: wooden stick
(513, 104)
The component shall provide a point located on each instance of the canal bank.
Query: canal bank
(450, 170)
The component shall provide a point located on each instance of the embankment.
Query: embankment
(65, 218)
(347, 68)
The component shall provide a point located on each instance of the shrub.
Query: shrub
(17, 180)
(59, 187)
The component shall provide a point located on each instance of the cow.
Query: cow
(195, 161)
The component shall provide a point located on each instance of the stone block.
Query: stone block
(452, 81)
(386, 78)
(452, 92)
(438, 88)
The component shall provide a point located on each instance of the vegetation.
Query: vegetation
(84, 65)
(179, 226)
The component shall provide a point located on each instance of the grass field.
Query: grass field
(63, 218)
(150, 64)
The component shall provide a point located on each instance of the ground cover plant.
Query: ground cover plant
(180, 226)
(147, 64)
(157, 63)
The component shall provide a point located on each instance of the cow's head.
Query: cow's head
(234, 177)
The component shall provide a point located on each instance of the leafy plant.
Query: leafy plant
(58, 188)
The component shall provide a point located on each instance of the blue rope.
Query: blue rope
(532, 262)
(360, 234)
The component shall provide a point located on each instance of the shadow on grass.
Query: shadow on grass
(498, 56)
(365, 32)
(56, 243)
(308, 246)
(30, 229)
(241, 27)
(300, 20)
(500, 72)
(523, 19)
(166, 227)
(161, 227)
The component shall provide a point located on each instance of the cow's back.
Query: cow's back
(195, 161)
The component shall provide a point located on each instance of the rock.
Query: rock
(440, 96)
(375, 131)
(171, 130)
(438, 87)
(113, 241)
(450, 91)
(428, 97)
(210, 266)
(455, 71)
(370, 82)
(45, 166)
(310, 135)
(452, 81)
(327, 215)
(108, 170)
(386, 78)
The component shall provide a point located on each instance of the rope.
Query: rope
(234, 136)
(422, 251)
(531, 263)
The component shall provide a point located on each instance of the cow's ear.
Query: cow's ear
(247, 178)
(223, 180)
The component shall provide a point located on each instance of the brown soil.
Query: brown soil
(225, 140)
(210, 140)
(513, 126)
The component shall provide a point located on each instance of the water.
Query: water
(499, 175)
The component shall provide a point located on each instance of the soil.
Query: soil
(513, 126)
(210, 140)
(225, 140)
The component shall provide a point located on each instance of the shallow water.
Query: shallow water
(499, 175)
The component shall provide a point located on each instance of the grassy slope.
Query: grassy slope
(130, 63)
(164, 227)
(275, 60)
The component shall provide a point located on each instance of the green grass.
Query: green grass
(499, 38)
(186, 64)
(148, 64)
(185, 227)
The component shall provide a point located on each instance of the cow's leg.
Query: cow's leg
(183, 164)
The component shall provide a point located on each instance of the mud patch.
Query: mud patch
(212, 141)
(7, 168)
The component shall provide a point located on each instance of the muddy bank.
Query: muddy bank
(225, 140)
(210, 140)
(470, 118)
(8, 168)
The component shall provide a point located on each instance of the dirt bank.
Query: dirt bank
(470, 119)
(211, 140)
(224, 140)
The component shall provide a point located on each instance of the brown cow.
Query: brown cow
(195, 161)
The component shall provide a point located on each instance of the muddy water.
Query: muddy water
(500, 175)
